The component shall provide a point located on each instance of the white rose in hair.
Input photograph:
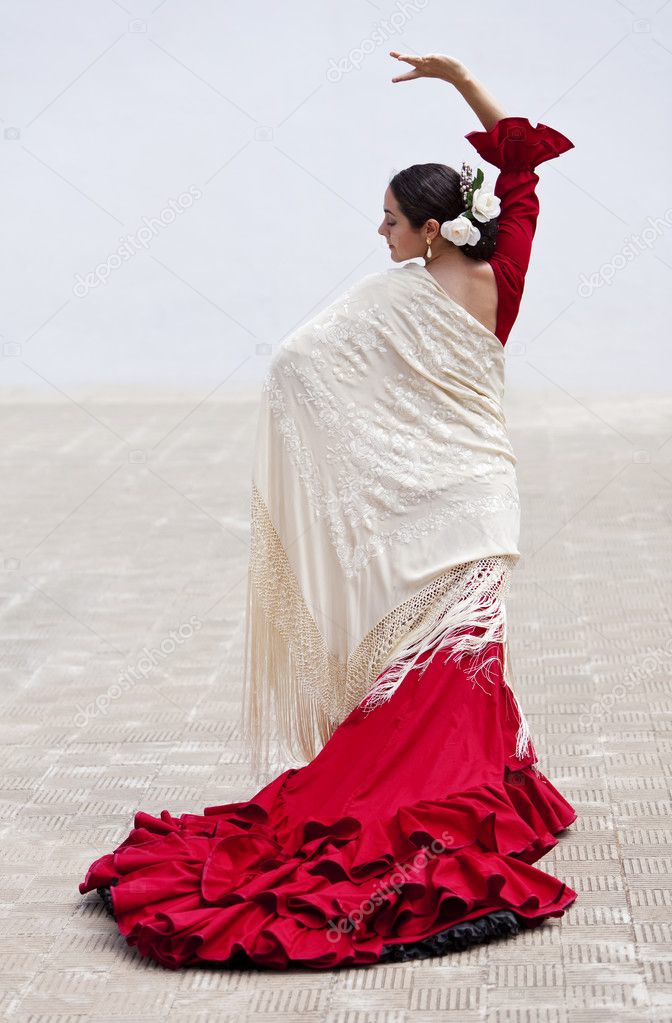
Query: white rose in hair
(460, 231)
(485, 204)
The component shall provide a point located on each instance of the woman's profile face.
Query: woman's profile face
(405, 242)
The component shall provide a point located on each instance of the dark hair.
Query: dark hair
(431, 191)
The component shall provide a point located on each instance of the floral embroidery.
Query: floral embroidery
(433, 450)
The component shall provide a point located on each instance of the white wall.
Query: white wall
(112, 110)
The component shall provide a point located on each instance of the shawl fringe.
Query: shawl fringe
(290, 678)
(480, 605)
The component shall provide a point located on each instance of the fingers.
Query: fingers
(404, 56)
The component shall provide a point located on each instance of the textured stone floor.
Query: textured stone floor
(122, 519)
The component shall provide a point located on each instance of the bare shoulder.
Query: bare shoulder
(483, 271)
(478, 293)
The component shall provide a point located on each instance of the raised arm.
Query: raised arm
(515, 147)
(448, 69)
(484, 105)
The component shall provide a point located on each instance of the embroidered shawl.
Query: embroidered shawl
(384, 516)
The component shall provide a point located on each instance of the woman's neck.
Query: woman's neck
(449, 257)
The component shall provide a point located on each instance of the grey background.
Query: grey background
(285, 119)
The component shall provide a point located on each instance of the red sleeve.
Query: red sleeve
(516, 148)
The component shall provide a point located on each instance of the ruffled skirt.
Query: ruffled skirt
(414, 817)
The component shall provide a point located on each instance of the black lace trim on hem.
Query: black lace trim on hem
(481, 930)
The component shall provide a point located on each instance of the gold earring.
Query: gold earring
(428, 253)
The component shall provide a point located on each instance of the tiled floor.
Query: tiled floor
(123, 519)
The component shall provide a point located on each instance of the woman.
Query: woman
(384, 529)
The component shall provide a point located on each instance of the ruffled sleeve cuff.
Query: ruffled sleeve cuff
(514, 144)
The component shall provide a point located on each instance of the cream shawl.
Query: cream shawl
(384, 506)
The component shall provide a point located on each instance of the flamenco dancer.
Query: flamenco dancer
(384, 527)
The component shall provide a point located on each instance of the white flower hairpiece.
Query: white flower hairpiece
(481, 204)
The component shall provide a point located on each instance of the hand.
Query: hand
(434, 65)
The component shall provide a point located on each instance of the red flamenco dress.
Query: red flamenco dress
(414, 830)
